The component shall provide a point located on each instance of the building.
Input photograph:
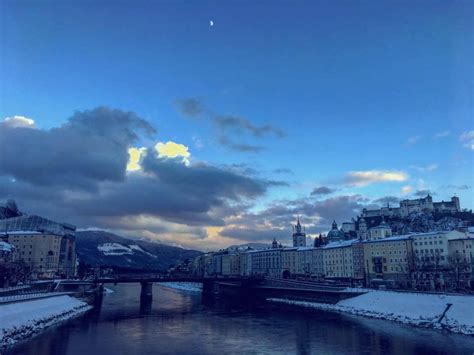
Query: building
(266, 262)
(299, 236)
(362, 232)
(383, 230)
(304, 261)
(230, 264)
(461, 261)
(289, 260)
(424, 204)
(338, 260)
(389, 259)
(335, 234)
(317, 266)
(46, 247)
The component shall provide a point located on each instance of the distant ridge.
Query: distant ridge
(100, 248)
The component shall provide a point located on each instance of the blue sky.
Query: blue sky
(356, 86)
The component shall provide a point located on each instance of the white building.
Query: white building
(381, 231)
(338, 259)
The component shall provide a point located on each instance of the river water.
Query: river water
(178, 323)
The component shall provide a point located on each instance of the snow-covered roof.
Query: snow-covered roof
(4, 246)
(20, 232)
(390, 239)
(340, 244)
(305, 248)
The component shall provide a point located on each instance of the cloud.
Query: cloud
(277, 218)
(457, 187)
(190, 107)
(283, 171)
(173, 150)
(407, 189)
(18, 122)
(364, 178)
(235, 124)
(413, 140)
(423, 193)
(322, 190)
(442, 134)
(467, 138)
(239, 147)
(135, 158)
(427, 168)
(91, 147)
(387, 200)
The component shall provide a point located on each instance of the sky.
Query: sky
(205, 124)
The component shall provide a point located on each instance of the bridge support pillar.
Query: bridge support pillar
(147, 291)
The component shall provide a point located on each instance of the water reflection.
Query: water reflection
(178, 322)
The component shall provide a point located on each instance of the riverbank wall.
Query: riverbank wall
(453, 313)
(26, 318)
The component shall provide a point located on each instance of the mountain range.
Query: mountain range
(101, 248)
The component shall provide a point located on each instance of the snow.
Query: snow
(340, 244)
(138, 248)
(423, 310)
(184, 286)
(114, 249)
(7, 247)
(119, 249)
(21, 320)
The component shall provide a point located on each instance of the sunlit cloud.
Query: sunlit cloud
(173, 150)
(364, 178)
(19, 121)
(407, 189)
(135, 157)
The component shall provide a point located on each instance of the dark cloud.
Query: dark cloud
(423, 193)
(457, 187)
(387, 199)
(276, 220)
(235, 124)
(283, 171)
(190, 107)
(91, 147)
(77, 173)
(239, 147)
(322, 190)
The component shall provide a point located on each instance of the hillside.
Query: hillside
(106, 249)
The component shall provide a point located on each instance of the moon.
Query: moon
(211, 23)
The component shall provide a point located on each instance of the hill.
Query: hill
(100, 248)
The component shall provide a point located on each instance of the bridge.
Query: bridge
(245, 288)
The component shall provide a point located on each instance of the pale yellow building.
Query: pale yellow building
(389, 259)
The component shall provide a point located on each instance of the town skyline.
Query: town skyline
(205, 126)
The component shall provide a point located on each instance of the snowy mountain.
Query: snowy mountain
(106, 249)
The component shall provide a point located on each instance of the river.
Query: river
(178, 323)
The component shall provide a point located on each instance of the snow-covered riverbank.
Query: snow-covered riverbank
(21, 320)
(422, 310)
(185, 286)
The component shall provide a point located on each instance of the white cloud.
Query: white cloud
(19, 121)
(441, 134)
(406, 190)
(413, 140)
(364, 178)
(173, 150)
(467, 138)
(426, 168)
